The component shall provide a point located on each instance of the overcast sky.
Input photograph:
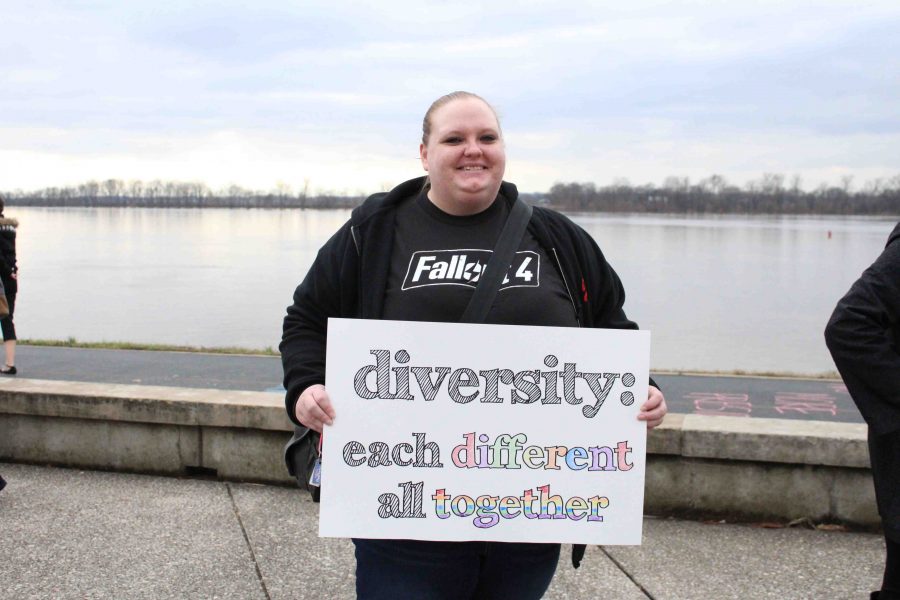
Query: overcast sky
(274, 92)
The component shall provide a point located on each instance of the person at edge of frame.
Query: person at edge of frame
(9, 272)
(863, 336)
(359, 272)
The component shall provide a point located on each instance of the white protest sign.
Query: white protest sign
(448, 431)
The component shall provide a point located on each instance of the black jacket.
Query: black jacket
(349, 277)
(8, 253)
(863, 336)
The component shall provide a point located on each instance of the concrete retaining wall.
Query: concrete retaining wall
(736, 467)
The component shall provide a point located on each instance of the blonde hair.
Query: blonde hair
(447, 99)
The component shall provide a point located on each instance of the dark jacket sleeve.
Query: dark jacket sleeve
(862, 336)
(599, 289)
(8, 253)
(606, 299)
(327, 291)
(609, 301)
(594, 286)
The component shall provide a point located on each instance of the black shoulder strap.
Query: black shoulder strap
(489, 284)
(498, 265)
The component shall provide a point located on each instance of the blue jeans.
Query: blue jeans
(397, 569)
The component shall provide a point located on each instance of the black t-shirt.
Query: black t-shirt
(437, 259)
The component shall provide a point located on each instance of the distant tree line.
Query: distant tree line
(174, 194)
(772, 193)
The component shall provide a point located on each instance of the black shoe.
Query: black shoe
(2, 483)
(8, 370)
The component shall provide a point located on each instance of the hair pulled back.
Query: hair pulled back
(447, 99)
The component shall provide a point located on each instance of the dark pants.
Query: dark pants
(6, 323)
(884, 452)
(398, 569)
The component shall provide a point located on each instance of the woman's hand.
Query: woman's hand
(313, 408)
(654, 409)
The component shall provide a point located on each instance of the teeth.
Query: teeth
(473, 168)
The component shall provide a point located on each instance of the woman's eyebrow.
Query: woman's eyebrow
(461, 132)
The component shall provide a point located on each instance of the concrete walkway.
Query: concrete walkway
(69, 533)
(83, 534)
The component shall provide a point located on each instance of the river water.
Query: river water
(718, 293)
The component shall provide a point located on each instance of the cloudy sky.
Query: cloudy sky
(331, 93)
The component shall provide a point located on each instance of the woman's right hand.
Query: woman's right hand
(313, 408)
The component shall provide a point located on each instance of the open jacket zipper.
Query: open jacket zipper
(562, 274)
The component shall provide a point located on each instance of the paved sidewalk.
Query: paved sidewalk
(779, 398)
(84, 534)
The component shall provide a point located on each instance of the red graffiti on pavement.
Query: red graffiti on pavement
(711, 403)
(805, 404)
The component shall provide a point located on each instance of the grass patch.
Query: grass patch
(744, 373)
(73, 343)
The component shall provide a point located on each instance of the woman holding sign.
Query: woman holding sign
(392, 260)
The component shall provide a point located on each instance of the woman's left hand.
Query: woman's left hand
(654, 409)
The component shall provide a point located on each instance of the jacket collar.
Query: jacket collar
(377, 203)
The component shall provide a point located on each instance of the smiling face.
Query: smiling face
(464, 156)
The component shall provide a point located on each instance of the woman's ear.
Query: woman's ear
(423, 155)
